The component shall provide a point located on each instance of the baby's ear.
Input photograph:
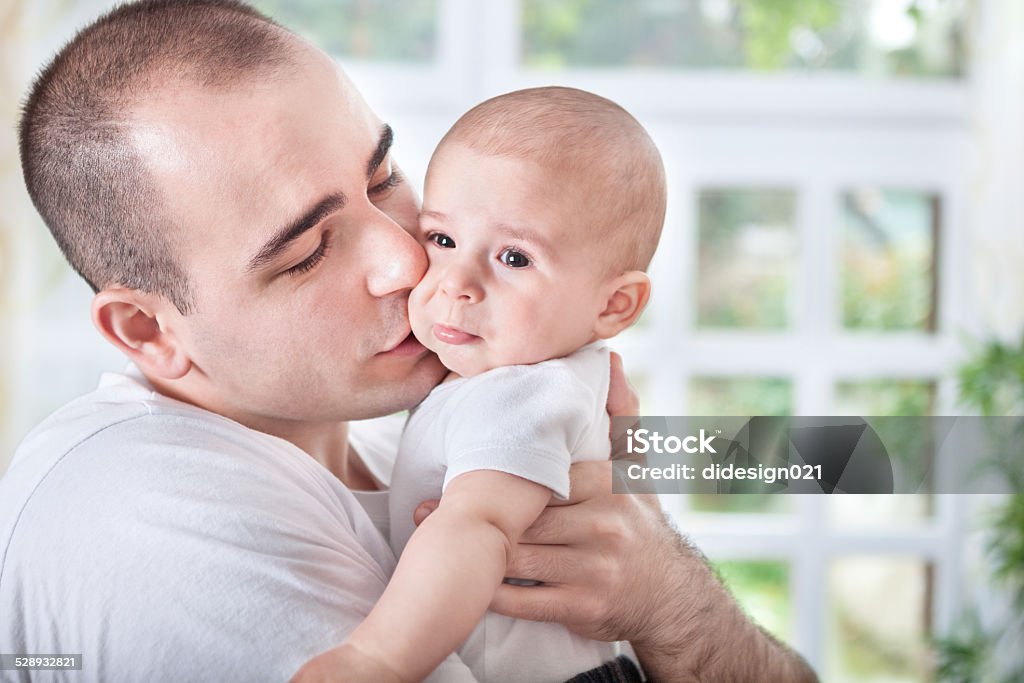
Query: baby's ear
(627, 297)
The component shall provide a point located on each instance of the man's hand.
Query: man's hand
(622, 397)
(585, 554)
(614, 569)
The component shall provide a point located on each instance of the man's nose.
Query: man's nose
(461, 281)
(399, 261)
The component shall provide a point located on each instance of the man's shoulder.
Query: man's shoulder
(147, 452)
(115, 426)
(146, 521)
(155, 472)
(122, 404)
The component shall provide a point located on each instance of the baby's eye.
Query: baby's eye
(442, 240)
(514, 259)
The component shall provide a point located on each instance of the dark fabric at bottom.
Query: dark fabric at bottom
(619, 670)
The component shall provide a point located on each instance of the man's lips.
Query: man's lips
(451, 335)
(409, 346)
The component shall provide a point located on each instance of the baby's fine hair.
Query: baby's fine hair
(590, 140)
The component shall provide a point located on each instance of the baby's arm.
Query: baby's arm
(446, 577)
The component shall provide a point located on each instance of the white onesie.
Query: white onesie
(529, 420)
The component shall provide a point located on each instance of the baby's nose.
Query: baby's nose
(461, 284)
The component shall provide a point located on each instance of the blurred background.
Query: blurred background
(845, 236)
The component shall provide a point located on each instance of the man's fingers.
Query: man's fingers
(547, 563)
(536, 603)
(424, 510)
(578, 609)
(555, 526)
(567, 525)
(547, 528)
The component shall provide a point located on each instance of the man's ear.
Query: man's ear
(628, 295)
(140, 325)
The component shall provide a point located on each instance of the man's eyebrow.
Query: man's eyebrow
(293, 230)
(387, 136)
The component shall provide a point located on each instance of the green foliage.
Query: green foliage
(761, 587)
(1006, 547)
(760, 35)
(964, 654)
(768, 26)
(993, 383)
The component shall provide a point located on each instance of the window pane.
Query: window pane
(382, 30)
(746, 258)
(886, 397)
(761, 587)
(740, 396)
(888, 280)
(882, 511)
(741, 503)
(878, 38)
(879, 619)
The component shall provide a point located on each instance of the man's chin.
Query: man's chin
(425, 375)
(397, 388)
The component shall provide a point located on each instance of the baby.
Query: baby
(542, 209)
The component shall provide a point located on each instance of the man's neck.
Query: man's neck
(325, 442)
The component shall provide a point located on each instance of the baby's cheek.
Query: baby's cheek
(417, 299)
(419, 318)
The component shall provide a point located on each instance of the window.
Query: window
(746, 251)
(872, 37)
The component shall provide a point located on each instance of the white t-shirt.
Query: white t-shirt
(165, 542)
(529, 420)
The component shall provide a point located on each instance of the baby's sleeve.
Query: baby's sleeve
(523, 420)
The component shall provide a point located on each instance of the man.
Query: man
(234, 204)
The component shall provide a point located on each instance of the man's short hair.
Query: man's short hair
(88, 182)
(592, 141)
